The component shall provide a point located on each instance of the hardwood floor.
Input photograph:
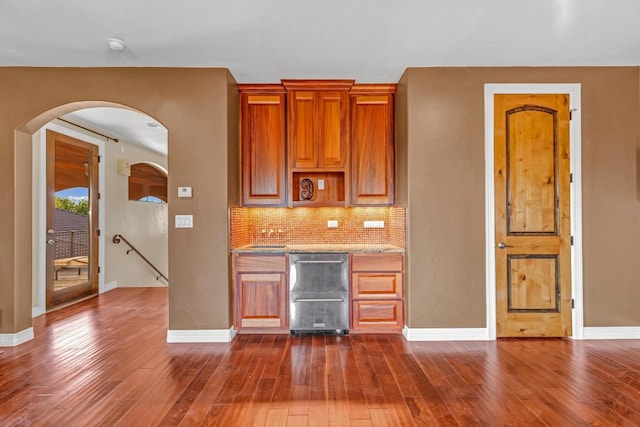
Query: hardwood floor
(105, 361)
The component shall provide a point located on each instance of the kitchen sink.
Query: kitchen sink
(268, 246)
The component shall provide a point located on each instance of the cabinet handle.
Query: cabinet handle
(318, 300)
(319, 262)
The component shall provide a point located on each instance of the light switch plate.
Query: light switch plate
(184, 221)
(374, 224)
(321, 184)
(332, 223)
(184, 192)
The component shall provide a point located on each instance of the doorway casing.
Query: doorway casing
(39, 212)
(575, 138)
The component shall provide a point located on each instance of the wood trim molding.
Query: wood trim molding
(261, 88)
(446, 334)
(292, 84)
(109, 286)
(12, 340)
(200, 335)
(37, 311)
(575, 135)
(373, 88)
(612, 333)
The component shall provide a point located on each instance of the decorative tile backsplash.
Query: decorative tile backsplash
(309, 226)
(239, 232)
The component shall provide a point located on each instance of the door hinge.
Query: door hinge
(99, 196)
(570, 115)
(98, 269)
(99, 157)
(570, 177)
(98, 232)
(573, 303)
(571, 240)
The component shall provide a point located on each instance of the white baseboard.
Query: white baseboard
(200, 335)
(37, 311)
(110, 286)
(612, 333)
(445, 334)
(12, 340)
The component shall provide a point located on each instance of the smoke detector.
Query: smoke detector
(116, 44)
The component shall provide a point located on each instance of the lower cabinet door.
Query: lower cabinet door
(378, 315)
(262, 300)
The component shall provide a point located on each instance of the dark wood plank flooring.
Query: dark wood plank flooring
(105, 361)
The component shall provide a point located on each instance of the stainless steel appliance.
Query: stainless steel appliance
(319, 292)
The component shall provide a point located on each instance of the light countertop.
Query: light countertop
(327, 248)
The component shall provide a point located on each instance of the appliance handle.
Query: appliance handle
(318, 262)
(318, 300)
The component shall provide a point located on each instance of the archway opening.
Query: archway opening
(118, 268)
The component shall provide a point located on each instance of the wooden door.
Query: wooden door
(72, 225)
(263, 147)
(372, 149)
(532, 211)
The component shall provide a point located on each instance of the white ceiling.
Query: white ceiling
(121, 123)
(366, 40)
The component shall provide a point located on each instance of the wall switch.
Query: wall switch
(184, 221)
(321, 184)
(184, 192)
(332, 223)
(374, 224)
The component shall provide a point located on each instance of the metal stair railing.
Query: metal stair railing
(119, 237)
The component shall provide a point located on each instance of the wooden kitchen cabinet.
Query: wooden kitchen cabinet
(318, 140)
(372, 144)
(318, 121)
(262, 133)
(261, 293)
(377, 292)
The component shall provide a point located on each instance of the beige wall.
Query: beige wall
(441, 175)
(145, 225)
(194, 105)
(441, 181)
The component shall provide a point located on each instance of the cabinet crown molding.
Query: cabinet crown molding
(261, 88)
(373, 88)
(291, 84)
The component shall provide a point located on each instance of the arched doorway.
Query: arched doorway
(116, 267)
(201, 109)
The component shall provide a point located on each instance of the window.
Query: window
(147, 183)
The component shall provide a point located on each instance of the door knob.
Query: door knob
(503, 245)
(50, 242)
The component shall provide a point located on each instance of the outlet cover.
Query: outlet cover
(332, 224)
(374, 224)
(184, 221)
(321, 184)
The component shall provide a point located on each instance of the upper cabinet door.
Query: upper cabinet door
(303, 141)
(318, 123)
(262, 130)
(372, 145)
(333, 129)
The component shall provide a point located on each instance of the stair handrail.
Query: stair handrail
(118, 237)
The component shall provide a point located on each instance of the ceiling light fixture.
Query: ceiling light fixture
(116, 44)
